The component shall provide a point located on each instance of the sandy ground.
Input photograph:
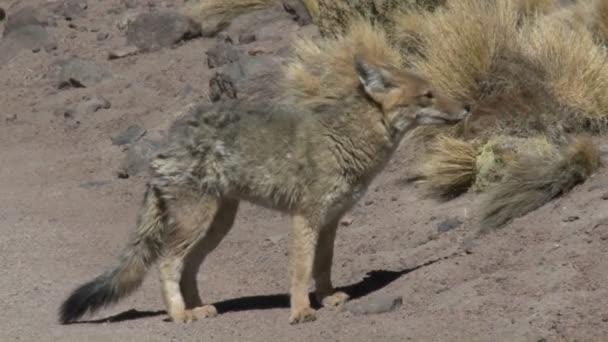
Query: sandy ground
(64, 216)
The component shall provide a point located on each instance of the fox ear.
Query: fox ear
(371, 77)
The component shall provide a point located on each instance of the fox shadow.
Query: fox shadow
(372, 282)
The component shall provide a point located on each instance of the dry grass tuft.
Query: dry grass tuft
(313, 7)
(322, 72)
(457, 56)
(226, 10)
(535, 7)
(334, 16)
(576, 68)
(449, 169)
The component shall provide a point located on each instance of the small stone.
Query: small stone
(73, 9)
(123, 52)
(50, 46)
(155, 30)
(246, 38)
(243, 79)
(377, 305)
(93, 184)
(23, 30)
(448, 224)
(128, 136)
(186, 91)
(69, 118)
(222, 53)
(93, 105)
(275, 239)
(571, 218)
(369, 202)
(102, 36)
(138, 156)
(346, 221)
(129, 3)
(211, 27)
(605, 196)
(298, 11)
(77, 73)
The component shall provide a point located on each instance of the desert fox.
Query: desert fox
(313, 164)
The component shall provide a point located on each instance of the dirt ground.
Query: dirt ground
(65, 215)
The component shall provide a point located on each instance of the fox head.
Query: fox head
(406, 99)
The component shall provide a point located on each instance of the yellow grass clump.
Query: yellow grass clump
(576, 67)
(449, 169)
(322, 72)
(461, 41)
(226, 10)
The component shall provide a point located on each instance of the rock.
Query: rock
(346, 221)
(93, 184)
(72, 9)
(222, 53)
(449, 224)
(138, 157)
(123, 52)
(571, 218)
(244, 78)
(605, 196)
(185, 91)
(102, 36)
(122, 24)
(246, 38)
(27, 16)
(275, 239)
(212, 27)
(153, 31)
(298, 11)
(24, 30)
(76, 72)
(377, 305)
(130, 3)
(69, 118)
(128, 136)
(92, 105)
(50, 46)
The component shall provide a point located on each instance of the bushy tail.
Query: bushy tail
(533, 181)
(127, 276)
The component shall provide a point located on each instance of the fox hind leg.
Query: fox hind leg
(219, 228)
(190, 220)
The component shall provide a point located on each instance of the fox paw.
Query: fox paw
(338, 298)
(191, 315)
(302, 316)
(201, 312)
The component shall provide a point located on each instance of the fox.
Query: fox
(313, 164)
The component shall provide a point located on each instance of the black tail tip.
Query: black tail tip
(87, 298)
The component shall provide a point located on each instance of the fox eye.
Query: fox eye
(429, 95)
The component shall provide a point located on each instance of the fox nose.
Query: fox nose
(467, 107)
